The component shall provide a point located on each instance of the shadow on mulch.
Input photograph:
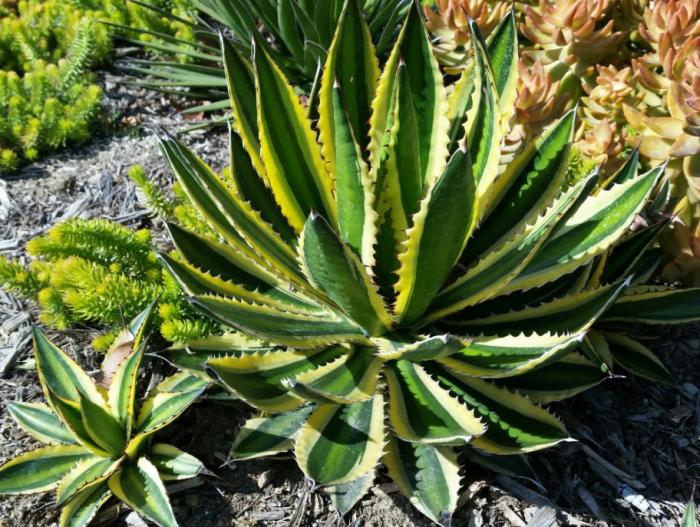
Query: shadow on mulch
(636, 462)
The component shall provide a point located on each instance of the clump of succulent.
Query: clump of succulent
(401, 298)
(99, 442)
(47, 50)
(668, 125)
(100, 272)
(448, 22)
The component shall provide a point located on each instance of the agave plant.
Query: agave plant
(300, 32)
(397, 298)
(98, 444)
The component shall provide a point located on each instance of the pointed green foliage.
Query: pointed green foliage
(173, 464)
(427, 475)
(339, 443)
(139, 486)
(337, 272)
(262, 436)
(421, 411)
(39, 470)
(40, 422)
(346, 495)
(402, 284)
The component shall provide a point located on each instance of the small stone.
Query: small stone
(134, 520)
(690, 389)
(264, 479)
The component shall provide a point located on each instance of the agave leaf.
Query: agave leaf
(515, 425)
(240, 82)
(40, 422)
(297, 329)
(419, 142)
(228, 264)
(248, 182)
(460, 103)
(426, 100)
(428, 348)
(41, 469)
(87, 474)
(168, 400)
(139, 486)
(194, 281)
(59, 374)
(527, 186)
(102, 427)
(122, 386)
(173, 464)
(194, 354)
(340, 443)
(511, 355)
(354, 190)
(483, 123)
(427, 475)
(421, 411)
(433, 245)
(503, 54)
(623, 257)
(352, 377)
(203, 186)
(346, 495)
(263, 436)
(637, 358)
(589, 230)
(291, 156)
(80, 511)
(257, 377)
(596, 348)
(352, 71)
(70, 415)
(656, 305)
(557, 380)
(626, 172)
(496, 268)
(572, 313)
(336, 271)
(689, 515)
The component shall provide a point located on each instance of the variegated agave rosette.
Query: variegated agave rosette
(99, 444)
(396, 296)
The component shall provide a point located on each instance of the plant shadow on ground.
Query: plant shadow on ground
(635, 463)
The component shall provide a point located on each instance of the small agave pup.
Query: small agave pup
(402, 298)
(98, 443)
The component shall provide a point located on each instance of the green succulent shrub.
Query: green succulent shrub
(48, 98)
(100, 272)
(99, 443)
(400, 297)
(301, 32)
